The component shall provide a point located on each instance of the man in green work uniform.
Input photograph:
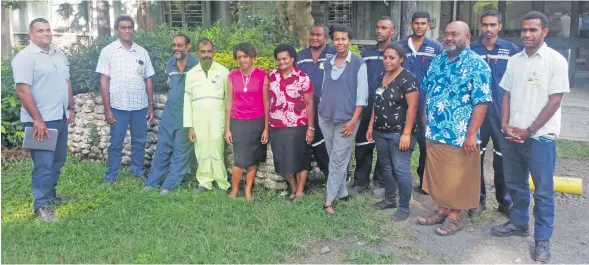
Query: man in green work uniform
(204, 115)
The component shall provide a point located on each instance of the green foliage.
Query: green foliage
(94, 136)
(12, 132)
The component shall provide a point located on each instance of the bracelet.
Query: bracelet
(312, 129)
(406, 134)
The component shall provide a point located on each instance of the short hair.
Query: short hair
(37, 20)
(204, 40)
(325, 29)
(247, 48)
(285, 48)
(387, 18)
(398, 48)
(186, 38)
(492, 13)
(537, 15)
(124, 18)
(421, 14)
(340, 28)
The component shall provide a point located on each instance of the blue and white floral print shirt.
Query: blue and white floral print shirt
(453, 89)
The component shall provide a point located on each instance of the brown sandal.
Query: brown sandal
(433, 219)
(449, 227)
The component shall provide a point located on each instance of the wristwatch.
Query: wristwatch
(530, 131)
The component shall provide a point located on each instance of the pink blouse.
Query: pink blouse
(248, 97)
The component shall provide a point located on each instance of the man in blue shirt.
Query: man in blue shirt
(311, 61)
(420, 53)
(495, 52)
(364, 151)
(174, 150)
(457, 88)
(42, 78)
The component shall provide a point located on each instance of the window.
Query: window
(514, 13)
(63, 16)
(187, 14)
(332, 12)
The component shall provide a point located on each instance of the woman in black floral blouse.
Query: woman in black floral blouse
(391, 127)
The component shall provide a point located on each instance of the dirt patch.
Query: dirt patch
(409, 242)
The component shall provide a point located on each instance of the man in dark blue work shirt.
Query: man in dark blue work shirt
(420, 53)
(495, 52)
(174, 154)
(364, 151)
(310, 61)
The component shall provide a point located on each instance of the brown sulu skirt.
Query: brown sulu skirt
(452, 178)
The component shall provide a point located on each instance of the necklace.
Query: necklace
(246, 81)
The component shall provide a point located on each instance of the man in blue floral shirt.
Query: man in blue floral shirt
(457, 87)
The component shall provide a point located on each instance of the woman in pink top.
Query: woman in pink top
(247, 114)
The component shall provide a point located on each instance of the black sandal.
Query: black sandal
(326, 207)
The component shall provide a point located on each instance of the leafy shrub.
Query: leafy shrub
(12, 132)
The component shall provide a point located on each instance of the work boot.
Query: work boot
(383, 205)
(509, 229)
(46, 214)
(541, 251)
(400, 215)
(478, 211)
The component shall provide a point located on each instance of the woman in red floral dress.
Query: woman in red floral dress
(291, 119)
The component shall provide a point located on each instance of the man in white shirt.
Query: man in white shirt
(125, 83)
(534, 84)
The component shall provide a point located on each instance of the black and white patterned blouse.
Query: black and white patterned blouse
(390, 105)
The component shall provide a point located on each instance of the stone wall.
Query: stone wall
(89, 137)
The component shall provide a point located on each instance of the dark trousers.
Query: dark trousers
(421, 142)
(538, 159)
(47, 165)
(491, 129)
(364, 153)
(320, 150)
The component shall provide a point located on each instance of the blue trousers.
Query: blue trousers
(174, 155)
(537, 158)
(396, 167)
(136, 119)
(47, 165)
(491, 129)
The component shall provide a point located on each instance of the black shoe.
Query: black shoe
(504, 209)
(509, 229)
(420, 190)
(400, 215)
(46, 214)
(541, 251)
(383, 205)
(359, 189)
(477, 211)
(345, 198)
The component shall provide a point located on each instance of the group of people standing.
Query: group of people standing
(325, 101)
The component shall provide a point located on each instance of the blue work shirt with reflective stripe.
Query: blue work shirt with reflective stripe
(418, 62)
(172, 116)
(497, 60)
(375, 67)
(314, 70)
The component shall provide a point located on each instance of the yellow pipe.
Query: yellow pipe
(566, 185)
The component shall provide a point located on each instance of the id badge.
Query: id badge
(379, 91)
(140, 69)
(321, 66)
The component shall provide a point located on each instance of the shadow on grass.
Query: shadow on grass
(118, 224)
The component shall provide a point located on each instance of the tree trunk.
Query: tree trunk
(144, 19)
(298, 18)
(407, 10)
(103, 18)
(6, 32)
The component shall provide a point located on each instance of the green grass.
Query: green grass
(572, 149)
(369, 257)
(118, 224)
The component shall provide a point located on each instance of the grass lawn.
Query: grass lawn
(118, 224)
